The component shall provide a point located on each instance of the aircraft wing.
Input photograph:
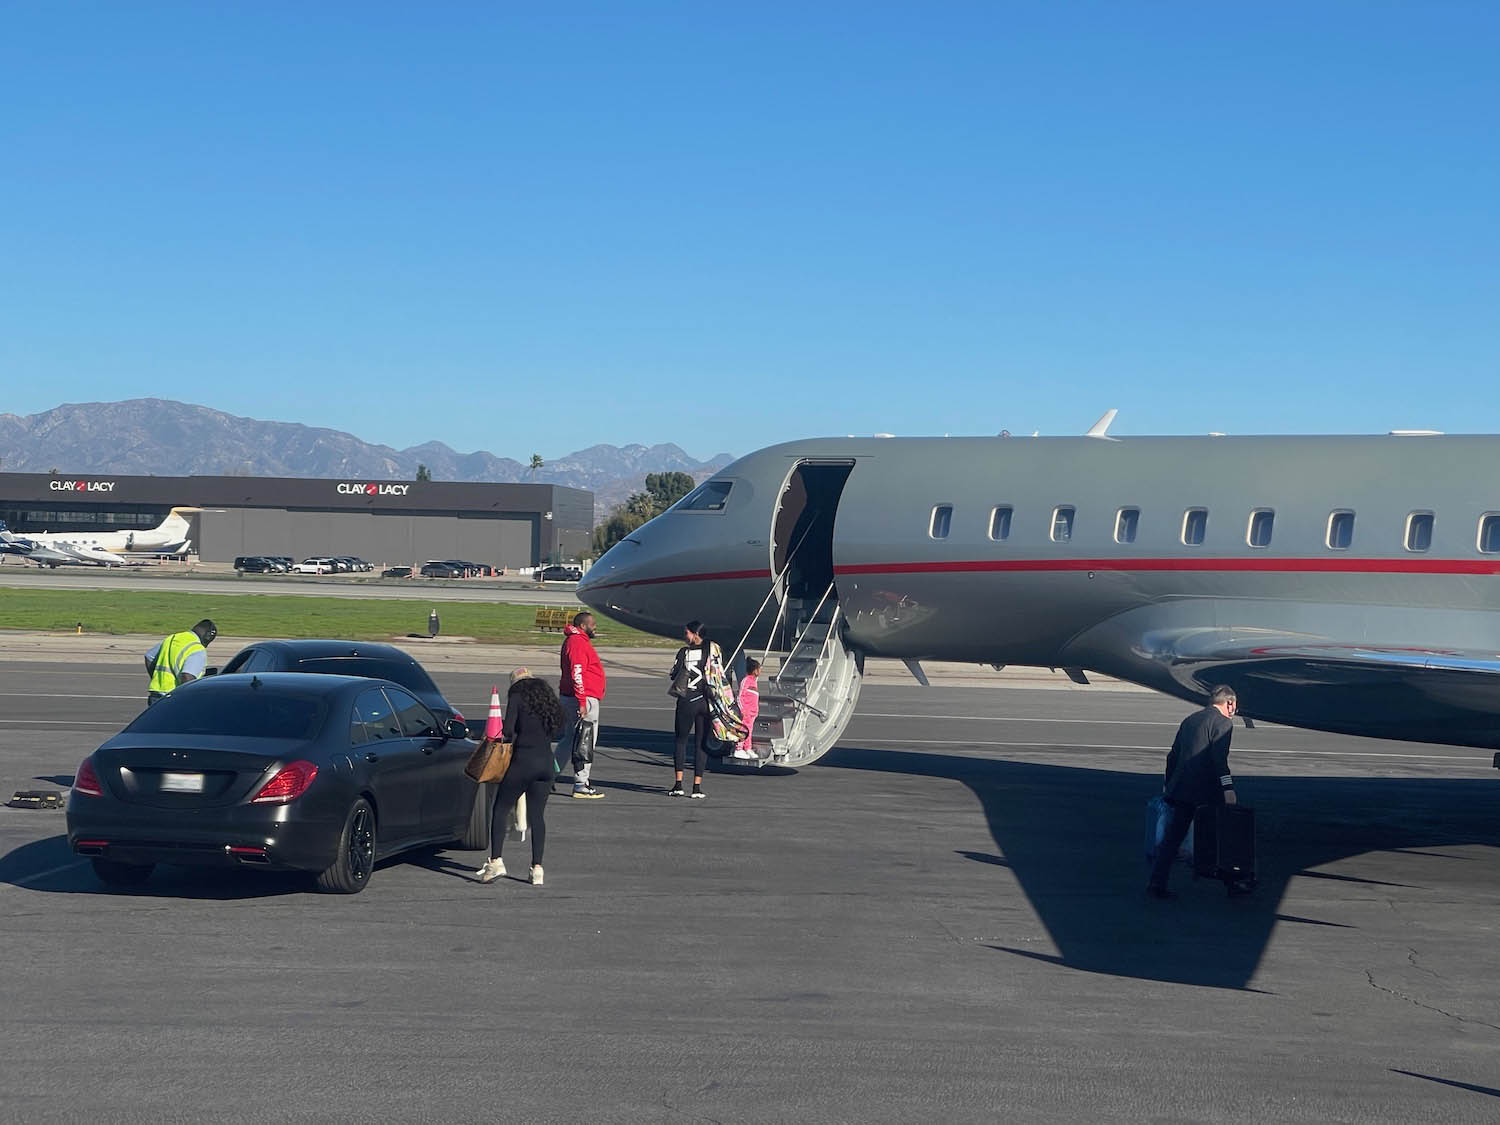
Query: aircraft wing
(46, 556)
(1447, 695)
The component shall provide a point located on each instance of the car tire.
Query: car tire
(477, 832)
(350, 872)
(113, 873)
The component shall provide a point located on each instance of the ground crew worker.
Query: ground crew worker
(179, 659)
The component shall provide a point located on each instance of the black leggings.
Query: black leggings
(536, 782)
(691, 718)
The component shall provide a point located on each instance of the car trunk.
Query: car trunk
(185, 772)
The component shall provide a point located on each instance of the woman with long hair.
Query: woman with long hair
(691, 720)
(533, 718)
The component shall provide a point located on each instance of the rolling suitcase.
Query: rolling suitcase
(1224, 845)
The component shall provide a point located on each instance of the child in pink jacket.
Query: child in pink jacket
(749, 708)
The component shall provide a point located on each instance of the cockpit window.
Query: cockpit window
(707, 497)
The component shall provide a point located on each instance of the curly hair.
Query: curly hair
(537, 695)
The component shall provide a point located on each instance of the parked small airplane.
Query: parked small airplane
(101, 548)
(1347, 584)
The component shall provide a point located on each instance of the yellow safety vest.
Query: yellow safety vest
(169, 660)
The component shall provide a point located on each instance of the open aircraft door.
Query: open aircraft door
(808, 701)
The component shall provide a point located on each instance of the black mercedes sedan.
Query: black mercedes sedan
(345, 658)
(276, 771)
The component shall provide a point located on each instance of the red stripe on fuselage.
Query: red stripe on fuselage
(1240, 565)
(721, 576)
(1008, 566)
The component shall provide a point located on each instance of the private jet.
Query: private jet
(102, 548)
(1347, 583)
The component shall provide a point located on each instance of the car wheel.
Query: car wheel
(477, 833)
(350, 872)
(113, 873)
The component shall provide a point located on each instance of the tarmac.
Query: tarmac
(941, 920)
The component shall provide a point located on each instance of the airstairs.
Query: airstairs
(806, 703)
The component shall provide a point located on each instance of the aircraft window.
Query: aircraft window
(1341, 530)
(1062, 524)
(1194, 526)
(1000, 523)
(1419, 531)
(1127, 520)
(942, 520)
(1262, 521)
(707, 497)
(1489, 534)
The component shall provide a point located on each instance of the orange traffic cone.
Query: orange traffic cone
(494, 726)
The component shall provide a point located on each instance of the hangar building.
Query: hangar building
(393, 523)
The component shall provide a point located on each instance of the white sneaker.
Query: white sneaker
(536, 874)
(493, 869)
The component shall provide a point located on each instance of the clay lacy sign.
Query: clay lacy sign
(354, 488)
(81, 485)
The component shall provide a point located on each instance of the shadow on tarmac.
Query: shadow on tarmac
(51, 867)
(1073, 838)
(1488, 1090)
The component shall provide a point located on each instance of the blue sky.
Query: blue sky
(533, 227)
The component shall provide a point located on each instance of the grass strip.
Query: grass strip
(284, 615)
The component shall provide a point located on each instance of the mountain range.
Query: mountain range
(167, 438)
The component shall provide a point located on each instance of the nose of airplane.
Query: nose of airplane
(620, 584)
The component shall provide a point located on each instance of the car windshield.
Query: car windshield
(406, 673)
(249, 711)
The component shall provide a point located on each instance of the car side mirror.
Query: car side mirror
(455, 728)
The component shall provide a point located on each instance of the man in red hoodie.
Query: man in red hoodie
(581, 689)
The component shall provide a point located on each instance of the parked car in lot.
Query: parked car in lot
(441, 570)
(344, 658)
(318, 564)
(324, 774)
(396, 572)
(560, 574)
(256, 564)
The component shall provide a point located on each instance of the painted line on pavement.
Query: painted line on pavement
(50, 871)
(59, 695)
(1041, 748)
(52, 722)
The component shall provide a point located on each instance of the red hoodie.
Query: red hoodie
(582, 674)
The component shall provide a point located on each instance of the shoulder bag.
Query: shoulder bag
(489, 761)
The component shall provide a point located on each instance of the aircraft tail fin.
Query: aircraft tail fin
(1100, 429)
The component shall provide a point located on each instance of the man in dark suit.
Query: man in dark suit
(1197, 774)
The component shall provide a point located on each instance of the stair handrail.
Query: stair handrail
(776, 581)
(810, 621)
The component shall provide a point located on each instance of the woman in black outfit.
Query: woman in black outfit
(533, 718)
(691, 720)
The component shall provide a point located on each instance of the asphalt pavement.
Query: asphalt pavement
(941, 920)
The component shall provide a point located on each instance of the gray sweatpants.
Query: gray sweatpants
(580, 733)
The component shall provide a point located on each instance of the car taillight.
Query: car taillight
(459, 715)
(87, 781)
(286, 784)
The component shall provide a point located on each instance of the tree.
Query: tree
(536, 464)
(424, 474)
(668, 488)
(662, 491)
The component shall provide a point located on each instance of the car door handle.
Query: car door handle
(428, 748)
(372, 757)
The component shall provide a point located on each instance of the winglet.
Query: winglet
(1101, 428)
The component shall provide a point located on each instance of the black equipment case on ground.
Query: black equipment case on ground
(1224, 843)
